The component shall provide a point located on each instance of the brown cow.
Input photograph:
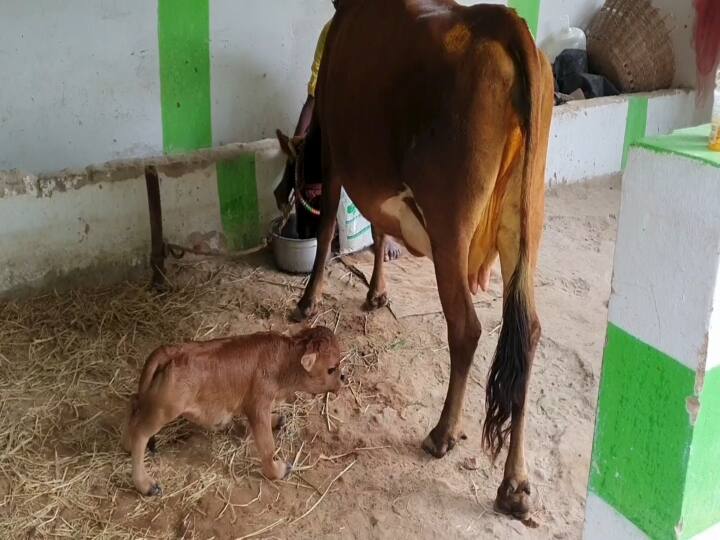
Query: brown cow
(210, 382)
(435, 118)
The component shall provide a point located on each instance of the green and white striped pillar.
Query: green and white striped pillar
(655, 470)
(185, 68)
(528, 10)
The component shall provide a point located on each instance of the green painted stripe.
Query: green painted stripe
(636, 124)
(701, 508)
(690, 143)
(184, 44)
(642, 434)
(359, 233)
(528, 10)
(239, 208)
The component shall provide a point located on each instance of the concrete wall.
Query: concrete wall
(81, 80)
(80, 83)
(83, 85)
(588, 138)
(94, 223)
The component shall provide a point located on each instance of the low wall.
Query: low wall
(92, 225)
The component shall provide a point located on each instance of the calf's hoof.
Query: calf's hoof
(278, 421)
(513, 498)
(438, 444)
(278, 470)
(375, 301)
(154, 491)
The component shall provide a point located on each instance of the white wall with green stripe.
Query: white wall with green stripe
(84, 79)
(88, 81)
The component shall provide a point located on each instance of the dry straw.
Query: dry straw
(68, 363)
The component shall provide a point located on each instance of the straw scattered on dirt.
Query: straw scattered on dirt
(69, 361)
(68, 364)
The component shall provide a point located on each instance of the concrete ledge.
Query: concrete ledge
(53, 226)
(588, 138)
(62, 228)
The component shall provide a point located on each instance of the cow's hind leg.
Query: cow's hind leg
(463, 335)
(510, 373)
(377, 295)
(307, 306)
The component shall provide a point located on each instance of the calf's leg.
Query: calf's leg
(143, 424)
(260, 420)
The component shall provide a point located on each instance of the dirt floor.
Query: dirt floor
(68, 363)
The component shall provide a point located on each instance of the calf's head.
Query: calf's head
(320, 361)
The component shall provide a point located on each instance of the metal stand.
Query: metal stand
(157, 252)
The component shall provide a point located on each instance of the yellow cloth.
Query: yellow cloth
(318, 58)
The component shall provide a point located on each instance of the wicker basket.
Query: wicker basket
(629, 42)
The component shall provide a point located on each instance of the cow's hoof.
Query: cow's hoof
(154, 491)
(375, 301)
(513, 498)
(437, 445)
(303, 312)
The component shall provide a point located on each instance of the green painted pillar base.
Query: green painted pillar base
(237, 189)
(655, 469)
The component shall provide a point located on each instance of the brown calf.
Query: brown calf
(435, 118)
(211, 382)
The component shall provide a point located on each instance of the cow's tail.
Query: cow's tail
(510, 370)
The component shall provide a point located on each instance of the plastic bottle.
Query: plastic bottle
(715, 130)
(567, 38)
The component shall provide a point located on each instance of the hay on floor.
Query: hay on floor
(68, 363)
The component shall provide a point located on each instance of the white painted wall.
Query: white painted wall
(586, 140)
(80, 79)
(262, 51)
(79, 82)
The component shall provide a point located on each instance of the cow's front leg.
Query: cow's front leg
(307, 307)
(463, 335)
(377, 295)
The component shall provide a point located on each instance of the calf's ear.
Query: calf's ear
(308, 361)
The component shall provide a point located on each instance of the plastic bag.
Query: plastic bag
(353, 229)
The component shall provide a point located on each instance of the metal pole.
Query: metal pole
(157, 252)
